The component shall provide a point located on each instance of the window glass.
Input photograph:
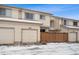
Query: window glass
(51, 23)
(29, 16)
(2, 11)
(42, 17)
(9, 12)
(5, 12)
(65, 22)
(75, 23)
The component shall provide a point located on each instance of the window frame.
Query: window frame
(3, 12)
(42, 17)
(51, 23)
(29, 16)
(65, 22)
(75, 23)
(6, 12)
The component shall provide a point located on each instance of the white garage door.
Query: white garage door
(73, 37)
(6, 36)
(29, 36)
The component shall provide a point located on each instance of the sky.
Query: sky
(62, 10)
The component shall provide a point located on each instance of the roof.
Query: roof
(26, 9)
(63, 18)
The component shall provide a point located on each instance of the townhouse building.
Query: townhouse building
(19, 25)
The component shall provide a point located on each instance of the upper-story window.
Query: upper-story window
(2, 11)
(9, 12)
(42, 17)
(29, 16)
(75, 23)
(51, 23)
(65, 22)
(5, 12)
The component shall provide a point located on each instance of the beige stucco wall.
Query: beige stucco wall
(18, 26)
(57, 22)
(46, 21)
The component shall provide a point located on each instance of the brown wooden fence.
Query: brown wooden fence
(53, 37)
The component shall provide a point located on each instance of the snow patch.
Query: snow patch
(49, 49)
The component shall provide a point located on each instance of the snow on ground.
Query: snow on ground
(49, 49)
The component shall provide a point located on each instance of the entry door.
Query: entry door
(73, 37)
(29, 36)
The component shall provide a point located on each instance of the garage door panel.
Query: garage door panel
(6, 42)
(6, 35)
(29, 36)
(72, 37)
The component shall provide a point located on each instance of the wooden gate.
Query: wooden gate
(53, 37)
